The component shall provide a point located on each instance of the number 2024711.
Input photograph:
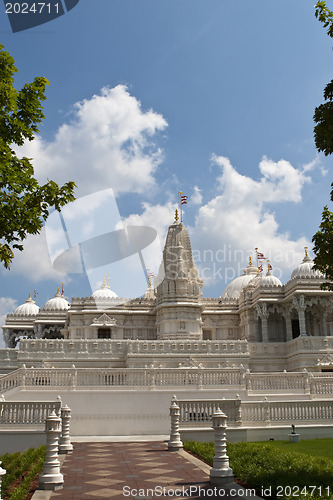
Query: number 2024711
(35, 8)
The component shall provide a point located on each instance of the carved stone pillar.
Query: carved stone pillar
(323, 324)
(299, 303)
(262, 312)
(289, 329)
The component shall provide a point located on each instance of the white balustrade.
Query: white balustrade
(22, 412)
(198, 412)
(200, 377)
(195, 412)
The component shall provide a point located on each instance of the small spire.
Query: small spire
(176, 215)
(306, 251)
(29, 296)
(250, 261)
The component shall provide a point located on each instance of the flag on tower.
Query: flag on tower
(183, 200)
(35, 294)
(269, 266)
(260, 256)
(62, 289)
(260, 267)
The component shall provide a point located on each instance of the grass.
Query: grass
(288, 470)
(313, 447)
(21, 471)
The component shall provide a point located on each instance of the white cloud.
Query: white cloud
(237, 220)
(196, 197)
(34, 261)
(7, 305)
(158, 217)
(109, 143)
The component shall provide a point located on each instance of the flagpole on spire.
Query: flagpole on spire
(180, 205)
(256, 251)
(182, 201)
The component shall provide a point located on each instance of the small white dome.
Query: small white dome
(29, 308)
(104, 292)
(235, 287)
(304, 270)
(269, 280)
(58, 303)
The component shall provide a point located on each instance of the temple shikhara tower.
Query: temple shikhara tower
(259, 335)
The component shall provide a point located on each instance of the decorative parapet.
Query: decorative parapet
(198, 413)
(27, 413)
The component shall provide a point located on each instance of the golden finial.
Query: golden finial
(306, 251)
(104, 283)
(176, 216)
(250, 261)
(29, 295)
(58, 290)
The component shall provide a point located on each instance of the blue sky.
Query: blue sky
(148, 98)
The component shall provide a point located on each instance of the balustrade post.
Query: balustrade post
(200, 377)
(267, 412)
(311, 383)
(248, 382)
(220, 473)
(174, 443)
(306, 381)
(65, 445)
(51, 478)
(2, 473)
(152, 378)
(23, 370)
(73, 378)
(238, 404)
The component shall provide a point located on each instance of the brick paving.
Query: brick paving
(133, 470)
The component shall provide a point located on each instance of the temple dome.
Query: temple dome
(58, 303)
(269, 280)
(29, 308)
(104, 292)
(305, 269)
(233, 290)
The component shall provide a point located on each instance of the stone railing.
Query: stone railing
(21, 412)
(194, 412)
(199, 378)
(286, 411)
(277, 381)
(198, 413)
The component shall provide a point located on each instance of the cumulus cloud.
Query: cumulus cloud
(159, 217)
(34, 261)
(238, 219)
(109, 143)
(196, 197)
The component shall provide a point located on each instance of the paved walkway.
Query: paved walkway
(136, 470)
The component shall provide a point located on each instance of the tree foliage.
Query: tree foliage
(323, 115)
(24, 203)
(323, 246)
(323, 134)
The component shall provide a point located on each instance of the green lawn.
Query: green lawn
(288, 470)
(313, 447)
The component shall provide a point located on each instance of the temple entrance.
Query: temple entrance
(295, 328)
(104, 333)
